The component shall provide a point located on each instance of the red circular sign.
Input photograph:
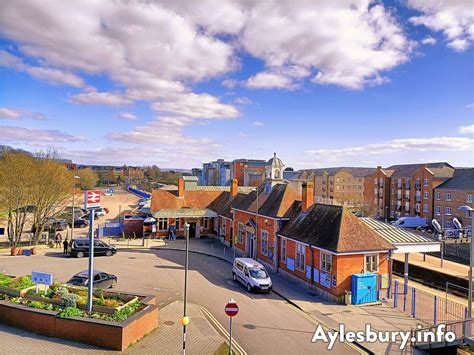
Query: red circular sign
(231, 309)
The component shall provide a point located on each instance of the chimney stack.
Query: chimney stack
(234, 187)
(181, 187)
(307, 197)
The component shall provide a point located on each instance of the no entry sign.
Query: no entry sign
(91, 199)
(231, 308)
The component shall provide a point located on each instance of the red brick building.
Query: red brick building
(450, 195)
(248, 172)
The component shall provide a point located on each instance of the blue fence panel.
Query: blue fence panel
(138, 192)
(110, 229)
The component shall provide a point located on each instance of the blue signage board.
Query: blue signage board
(325, 279)
(316, 275)
(42, 278)
(290, 264)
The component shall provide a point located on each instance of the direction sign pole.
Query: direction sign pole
(231, 309)
(230, 336)
(91, 261)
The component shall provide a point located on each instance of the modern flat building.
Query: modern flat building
(248, 172)
(407, 190)
(453, 193)
(197, 172)
(216, 173)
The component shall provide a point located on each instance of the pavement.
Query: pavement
(204, 336)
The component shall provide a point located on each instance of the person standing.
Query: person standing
(65, 246)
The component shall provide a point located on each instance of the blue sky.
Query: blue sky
(360, 83)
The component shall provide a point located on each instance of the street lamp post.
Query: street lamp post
(466, 208)
(185, 319)
(73, 202)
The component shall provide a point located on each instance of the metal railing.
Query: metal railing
(462, 329)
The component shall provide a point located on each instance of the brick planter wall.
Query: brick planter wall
(111, 335)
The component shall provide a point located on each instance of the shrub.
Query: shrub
(69, 300)
(5, 280)
(125, 312)
(70, 312)
(111, 303)
(21, 282)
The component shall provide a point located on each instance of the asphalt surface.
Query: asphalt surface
(265, 324)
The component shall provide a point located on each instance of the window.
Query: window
(375, 181)
(427, 182)
(283, 250)
(326, 262)
(337, 179)
(371, 263)
(447, 196)
(300, 250)
(426, 195)
(264, 245)
(177, 223)
(437, 210)
(418, 183)
(162, 224)
(348, 187)
(206, 222)
(223, 226)
(348, 179)
(437, 196)
(240, 236)
(399, 183)
(469, 198)
(426, 207)
(447, 210)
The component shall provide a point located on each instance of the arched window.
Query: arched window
(277, 174)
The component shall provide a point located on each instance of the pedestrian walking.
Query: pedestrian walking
(70, 246)
(58, 240)
(65, 246)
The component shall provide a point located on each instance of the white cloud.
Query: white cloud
(470, 106)
(195, 106)
(466, 129)
(397, 145)
(36, 135)
(350, 44)
(162, 130)
(266, 80)
(11, 113)
(258, 123)
(243, 100)
(230, 83)
(101, 98)
(455, 18)
(127, 116)
(51, 75)
(429, 40)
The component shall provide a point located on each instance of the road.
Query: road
(265, 323)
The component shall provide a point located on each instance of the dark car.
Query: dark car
(80, 223)
(102, 280)
(80, 248)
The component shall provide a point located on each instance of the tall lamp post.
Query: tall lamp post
(73, 202)
(185, 319)
(465, 209)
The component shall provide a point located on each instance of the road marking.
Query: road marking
(237, 348)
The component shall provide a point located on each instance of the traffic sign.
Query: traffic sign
(43, 278)
(231, 309)
(91, 199)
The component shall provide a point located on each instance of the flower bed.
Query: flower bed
(15, 286)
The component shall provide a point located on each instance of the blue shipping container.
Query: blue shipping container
(364, 288)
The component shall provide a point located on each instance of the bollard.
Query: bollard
(435, 309)
(413, 302)
(395, 299)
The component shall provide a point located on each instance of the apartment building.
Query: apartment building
(453, 193)
(338, 186)
(216, 173)
(133, 173)
(407, 190)
(248, 172)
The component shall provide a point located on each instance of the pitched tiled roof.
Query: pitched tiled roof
(162, 199)
(274, 204)
(463, 179)
(410, 169)
(354, 171)
(333, 228)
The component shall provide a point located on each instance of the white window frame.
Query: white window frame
(264, 242)
(283, 249)
(447, 211)
(162, 224)
(447, 196)
(371, 263)
(326, 262)
(240, 234)
(426, 207)
(426, 182)
(468, 198)
(426, 195)
(437, 196)
(437, 210)
(300, 251)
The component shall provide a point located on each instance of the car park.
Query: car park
(80, 248)
(251, 274)
(80, 223)
(102, 280)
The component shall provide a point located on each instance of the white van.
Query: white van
(251, 274)
(410, 222)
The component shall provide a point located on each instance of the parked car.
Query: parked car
(100, 211)
(102, 280)
(410, 222)
(79, 223)
(57, 224)
(251, 274)
(80, 248)
(106, 210)
(87, 216)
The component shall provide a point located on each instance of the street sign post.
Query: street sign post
(91, 201)
(231, 309)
